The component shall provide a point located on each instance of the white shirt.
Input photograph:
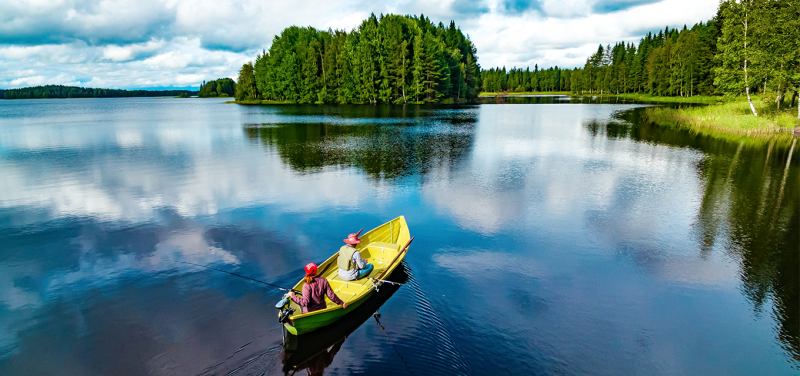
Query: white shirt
(350, 275)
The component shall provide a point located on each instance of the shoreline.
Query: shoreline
(731, 119)
(717, 116)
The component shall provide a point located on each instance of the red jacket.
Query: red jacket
(313, 298)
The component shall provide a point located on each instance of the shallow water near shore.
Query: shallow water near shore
(551, 238)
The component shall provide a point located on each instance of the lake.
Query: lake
(552, 237)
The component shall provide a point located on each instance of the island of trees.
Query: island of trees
(59, 91)
(221, 87)
(387, 59)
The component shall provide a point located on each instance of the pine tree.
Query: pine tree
(433, 68)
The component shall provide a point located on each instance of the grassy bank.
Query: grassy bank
(658, 99)
(259, 102)
(632, 97)
(491, 93)
(732, 118)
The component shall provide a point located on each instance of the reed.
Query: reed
(733, 117)
(509, 93)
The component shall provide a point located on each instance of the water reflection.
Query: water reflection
(551, 238)
(316, 351)
(381, 151)
(554, 99)
(750, 206)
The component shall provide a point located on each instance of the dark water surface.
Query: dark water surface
(550, 239)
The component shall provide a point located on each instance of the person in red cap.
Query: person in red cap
(314, 291)
(351, 265)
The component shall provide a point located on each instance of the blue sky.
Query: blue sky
(180, 43)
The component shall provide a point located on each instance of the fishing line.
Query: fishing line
(376, 315)
(237, 275)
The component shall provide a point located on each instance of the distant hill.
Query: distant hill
(60, 91)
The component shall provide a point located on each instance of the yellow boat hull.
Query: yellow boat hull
(380, 247)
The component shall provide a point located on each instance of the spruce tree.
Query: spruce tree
(246, 87)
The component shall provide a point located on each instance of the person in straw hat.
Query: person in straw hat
(351, 265)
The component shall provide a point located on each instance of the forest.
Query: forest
(750, 46)
(518, 80)
(59, 91)
(386, 59)
(671, 63)
(221, 87)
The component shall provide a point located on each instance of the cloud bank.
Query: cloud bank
(179, 43)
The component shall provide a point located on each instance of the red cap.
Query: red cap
(311, 269)
(352, 239)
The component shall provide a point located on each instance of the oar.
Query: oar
(395, 257)
(336, 256)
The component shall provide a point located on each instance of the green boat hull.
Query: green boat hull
(381, 247)
(312, 323)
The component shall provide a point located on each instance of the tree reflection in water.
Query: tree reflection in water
(396, 143)
(750, 206)
(315, 351)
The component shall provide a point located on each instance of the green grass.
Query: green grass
(636, 97)
(257, 101)
(732, 118)
(660, 99)
(445, 101)
(508, 93)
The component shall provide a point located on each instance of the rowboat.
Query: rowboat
(384, 247)
(306, 351)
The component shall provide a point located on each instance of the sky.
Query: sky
(133, 44)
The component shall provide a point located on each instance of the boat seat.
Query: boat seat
(381, 253)
(382, 246)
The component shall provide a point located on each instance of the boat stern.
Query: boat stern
(290, 328)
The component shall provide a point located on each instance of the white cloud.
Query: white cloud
(567, 8)
(125, 53)
(129, 44)
(28, 81)
(18, 53)
(187, 79)
(347, 23)
(64, 79)
(510, 41)
(170, 60)
(117, 53)
(96, 82)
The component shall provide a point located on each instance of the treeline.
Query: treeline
(670, 63)
(759, 48)
(517, 80)
(59, 91)
(387, 59)
(750, 46)
(221, 87)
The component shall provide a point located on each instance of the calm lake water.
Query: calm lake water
(551, 238)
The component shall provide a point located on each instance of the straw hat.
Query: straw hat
(352, 239)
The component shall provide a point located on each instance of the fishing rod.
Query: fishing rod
(385, 281)
(239, 275)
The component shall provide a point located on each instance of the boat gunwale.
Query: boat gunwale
(365, 292)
